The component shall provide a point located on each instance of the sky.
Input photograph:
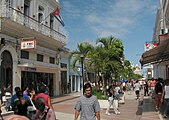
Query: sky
(131, 21)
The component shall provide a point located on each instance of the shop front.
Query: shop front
(159, 58)
(35, 79)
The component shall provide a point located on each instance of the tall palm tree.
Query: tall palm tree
(80, 54)
(107, 57)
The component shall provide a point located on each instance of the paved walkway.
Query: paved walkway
(133, 109)
(66, 97)
(149, 112)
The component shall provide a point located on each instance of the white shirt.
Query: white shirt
(137, 86)
(166, 90)
(116, 89)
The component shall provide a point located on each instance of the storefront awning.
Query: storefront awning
(157, 54)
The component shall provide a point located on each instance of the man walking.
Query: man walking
(87, 106)
(158, 93)
(137, 88)
(110, 99)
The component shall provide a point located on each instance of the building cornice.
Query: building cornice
(54, 3)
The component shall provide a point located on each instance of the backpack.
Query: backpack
(45, 114)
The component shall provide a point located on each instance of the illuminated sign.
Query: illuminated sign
(31, 44)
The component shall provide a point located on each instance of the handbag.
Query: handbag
(4, 98)
(31, 108)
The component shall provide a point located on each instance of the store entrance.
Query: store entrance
(6, 69)
(34, 79)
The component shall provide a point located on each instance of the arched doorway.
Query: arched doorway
(6, 68)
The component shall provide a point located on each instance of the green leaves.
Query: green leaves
(106, 57)
(82, 50)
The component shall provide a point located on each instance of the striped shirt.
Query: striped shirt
(87, 106)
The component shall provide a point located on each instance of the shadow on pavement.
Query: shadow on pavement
(148, 105)
(140, 108)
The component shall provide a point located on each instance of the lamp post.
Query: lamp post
(82, 60)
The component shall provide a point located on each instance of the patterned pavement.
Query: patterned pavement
(132, 109)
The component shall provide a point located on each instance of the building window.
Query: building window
(51, 21)
(63, 65)
(40, 14)
(40, 17)
(24, 54)
(39, 57)
(26, 7)
(52, 60)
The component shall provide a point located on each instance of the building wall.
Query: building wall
(16, 72)
(13, 46)
(34, 4)
(161, 33)
(162, 72)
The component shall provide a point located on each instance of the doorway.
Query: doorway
(6, 69)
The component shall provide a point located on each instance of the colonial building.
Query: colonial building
(30, 22)
(158, 57)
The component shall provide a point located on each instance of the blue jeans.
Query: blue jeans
(166, 104)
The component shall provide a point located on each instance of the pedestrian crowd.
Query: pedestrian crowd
(28, 104)
(159, 91)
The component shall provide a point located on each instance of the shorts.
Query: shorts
(137, 92)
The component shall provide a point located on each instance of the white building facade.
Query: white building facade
(25, 20)
(158, 57)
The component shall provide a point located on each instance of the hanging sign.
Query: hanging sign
(31, 44)
(149, 46)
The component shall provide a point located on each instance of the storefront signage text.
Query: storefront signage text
(31, 44)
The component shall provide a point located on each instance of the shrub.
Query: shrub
(98, 93)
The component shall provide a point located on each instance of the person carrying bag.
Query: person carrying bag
(43, 112)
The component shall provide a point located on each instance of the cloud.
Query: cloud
(106, 17)
(122, 15)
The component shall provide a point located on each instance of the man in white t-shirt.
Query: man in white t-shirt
(137, 89)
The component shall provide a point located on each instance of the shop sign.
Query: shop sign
(150, 45)
(31, 44)
(30, 69)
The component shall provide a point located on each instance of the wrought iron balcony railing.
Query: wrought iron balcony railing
(31, 23)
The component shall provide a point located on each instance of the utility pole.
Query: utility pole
(82, 65)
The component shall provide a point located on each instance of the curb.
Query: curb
(65, 100)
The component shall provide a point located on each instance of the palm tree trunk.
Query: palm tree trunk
(104, 85)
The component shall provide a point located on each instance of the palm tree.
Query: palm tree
(107, 57)
(80, 54)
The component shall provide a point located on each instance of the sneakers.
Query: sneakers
(107, 113)
(156, 109)
(117, 113)
(164, 116)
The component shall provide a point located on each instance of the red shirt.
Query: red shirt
(43, 95)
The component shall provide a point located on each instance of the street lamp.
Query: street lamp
(82, 60)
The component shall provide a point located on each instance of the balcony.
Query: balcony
(16, 24)
(23, 63)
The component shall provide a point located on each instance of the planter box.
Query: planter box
(104, 104)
